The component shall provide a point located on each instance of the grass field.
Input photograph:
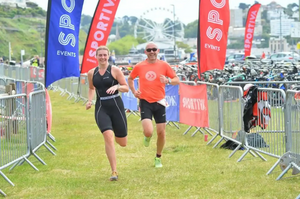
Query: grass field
(191, 169)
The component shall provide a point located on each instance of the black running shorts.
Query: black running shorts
(155, 109)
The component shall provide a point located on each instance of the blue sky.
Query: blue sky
(186, 10)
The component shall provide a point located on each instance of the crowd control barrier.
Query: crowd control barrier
(23, 124)
(291, 157)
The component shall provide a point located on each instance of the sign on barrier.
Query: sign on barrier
(172, 97)
(129, 100)
(193, 105)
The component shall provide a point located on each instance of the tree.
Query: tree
(85, 20)
(123, 45)
(289, 10)
(244, 6)
(31, 4)
(186, 47)
(133, 19)
(191, 30)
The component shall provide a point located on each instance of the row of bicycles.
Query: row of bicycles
(286, 74)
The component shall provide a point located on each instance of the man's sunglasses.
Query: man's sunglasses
(153, 49)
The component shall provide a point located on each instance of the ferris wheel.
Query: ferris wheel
(157, 24)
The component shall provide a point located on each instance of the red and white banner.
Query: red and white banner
(249, 29)
(99, 31)
(193, 108)
(214, 18)
(48, 112)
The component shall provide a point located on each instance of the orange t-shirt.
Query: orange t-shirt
(152, 90)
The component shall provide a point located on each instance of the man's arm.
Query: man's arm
(174, 81)
(136, 93)
(131, 84)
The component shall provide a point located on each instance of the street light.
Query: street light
(175, 54)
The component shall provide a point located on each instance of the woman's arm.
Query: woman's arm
(91, 91)
(119, 76)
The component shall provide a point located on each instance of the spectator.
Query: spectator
(263, 55)
(193, 59)
(35, 61)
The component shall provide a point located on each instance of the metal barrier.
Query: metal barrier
(231, 118)
(37, 123)
(213, 109)
(291, 159)
(14, 131)
(231, 111)
(269, 134)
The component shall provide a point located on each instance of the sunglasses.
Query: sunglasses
(153, 49)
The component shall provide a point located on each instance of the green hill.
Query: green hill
(25, 32)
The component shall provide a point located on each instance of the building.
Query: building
(281, 27)
(237, 29)
(240, 32)
(236, 20)
(278, 45)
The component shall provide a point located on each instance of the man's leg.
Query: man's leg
(161, 137)
(147, 127)
(160, 120)
(147, 130)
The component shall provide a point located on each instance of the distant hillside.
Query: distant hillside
(25, 30)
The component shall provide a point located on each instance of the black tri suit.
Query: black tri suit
(109, 109)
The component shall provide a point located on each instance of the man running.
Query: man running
(153, 75)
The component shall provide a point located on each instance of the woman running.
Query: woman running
(110, 116)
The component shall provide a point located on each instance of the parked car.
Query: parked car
(283, 56)
(238, 57)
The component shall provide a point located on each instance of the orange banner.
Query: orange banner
(193, 107)
(99, 31)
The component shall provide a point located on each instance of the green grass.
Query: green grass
(191, 169)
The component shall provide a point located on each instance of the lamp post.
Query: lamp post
(175, 54)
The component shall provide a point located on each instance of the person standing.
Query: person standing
(263, 55)
(153, 75)
(107, 81)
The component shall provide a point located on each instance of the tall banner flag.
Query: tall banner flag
(99, 31)
(193, 107)
(62, 40)
(214, 17)
(249, 29)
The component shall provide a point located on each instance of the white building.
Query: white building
(240, 32)
(276, 14)
(281, 27)
(235, 18)
(278, 45)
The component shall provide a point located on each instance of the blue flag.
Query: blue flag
(172, 97)
(62, 43)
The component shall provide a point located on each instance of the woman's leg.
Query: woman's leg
(110, 149)
(121, 141)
